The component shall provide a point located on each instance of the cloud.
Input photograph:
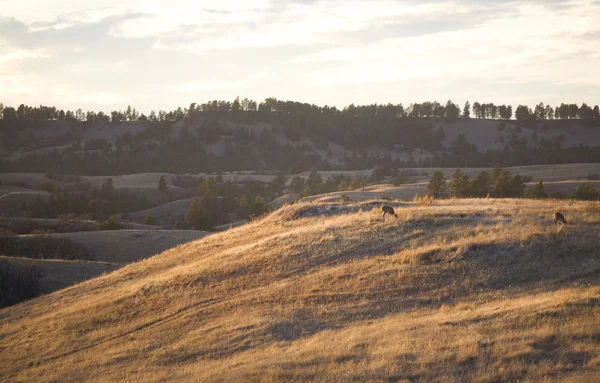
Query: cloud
(155, 54)
(203, 86)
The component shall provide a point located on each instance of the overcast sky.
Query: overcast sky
(104, 55)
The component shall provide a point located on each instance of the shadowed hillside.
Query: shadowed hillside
(460, 290)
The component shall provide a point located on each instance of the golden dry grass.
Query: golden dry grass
(459, 290)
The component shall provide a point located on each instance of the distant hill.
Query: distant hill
(224, 142)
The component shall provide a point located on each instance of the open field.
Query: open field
(460, 290)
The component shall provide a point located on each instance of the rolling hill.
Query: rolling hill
(220, 142)
(460, 290)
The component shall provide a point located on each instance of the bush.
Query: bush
(149, 220)
(111, 224)
(586, 192)
(18, 283)
(345, 199)
(401, 178)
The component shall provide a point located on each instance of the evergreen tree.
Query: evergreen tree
(162, 184)
(198, 217)
(502, 185)
(459, 184)
(517, 187)
(437, 186)
(481, 184)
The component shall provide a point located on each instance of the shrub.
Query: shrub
(149, 220)
(401, 178)
(586, 192)
(18, 283)
(345, 199)
(111, 224)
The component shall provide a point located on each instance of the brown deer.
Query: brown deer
(388, 210)
(558, 217)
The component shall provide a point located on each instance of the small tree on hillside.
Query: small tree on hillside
(162, 184)
(149, 220)
(198, 217)
(459, 184)
(437, 185)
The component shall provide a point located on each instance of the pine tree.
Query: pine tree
(480, 185)
(459, 184)
(437, 185)
(162, 184)
(502, 184)
(198, 217)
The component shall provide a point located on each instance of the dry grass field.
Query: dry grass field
(454, 291)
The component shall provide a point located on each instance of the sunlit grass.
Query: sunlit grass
(452, 290)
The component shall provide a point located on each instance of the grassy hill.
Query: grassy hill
(461, 290)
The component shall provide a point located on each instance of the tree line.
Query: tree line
(498, 184)
(425, 109)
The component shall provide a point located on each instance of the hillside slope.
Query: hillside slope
(217, 142)
(460, 290)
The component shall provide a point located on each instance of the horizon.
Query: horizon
(105, 56)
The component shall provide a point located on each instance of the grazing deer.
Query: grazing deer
(388, 210)
(559, 218)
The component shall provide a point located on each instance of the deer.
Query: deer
(558, 217)
(388, 210)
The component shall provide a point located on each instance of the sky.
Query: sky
(156, 54)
